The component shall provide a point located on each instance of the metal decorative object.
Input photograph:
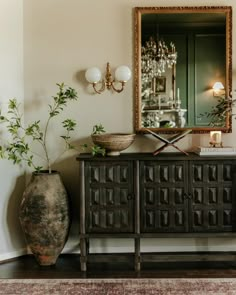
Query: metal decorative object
(122, 75)
(169, 141)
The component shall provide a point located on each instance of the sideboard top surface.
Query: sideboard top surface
(149, 156)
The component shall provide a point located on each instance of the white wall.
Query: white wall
(12, 178)
(62, 38)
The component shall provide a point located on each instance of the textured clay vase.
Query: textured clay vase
(44, 216)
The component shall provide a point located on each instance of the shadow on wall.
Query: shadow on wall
(13, 222)
(80, 77)
(69, 170)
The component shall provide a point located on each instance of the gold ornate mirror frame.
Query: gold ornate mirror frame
(139, 13)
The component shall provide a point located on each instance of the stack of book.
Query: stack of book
(215, 151)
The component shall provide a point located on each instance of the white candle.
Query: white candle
(171, 94)
(177, 93)
(215, 137)
(159, 102)
(154, 85)
(218, 137)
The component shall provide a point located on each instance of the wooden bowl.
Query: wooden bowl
(114, 143)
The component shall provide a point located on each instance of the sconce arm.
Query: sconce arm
(99, 91)
(118, 90)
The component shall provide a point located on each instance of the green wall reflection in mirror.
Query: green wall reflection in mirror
(180, 52)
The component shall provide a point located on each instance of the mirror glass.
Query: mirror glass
(180, 53)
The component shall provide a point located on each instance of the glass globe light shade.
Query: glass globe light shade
(93, 75)
(122, 74)
(218, 86)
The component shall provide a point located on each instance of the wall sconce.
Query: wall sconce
(122, 75)
(218, 89)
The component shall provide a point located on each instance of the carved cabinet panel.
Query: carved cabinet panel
(187, 196)
(109, 196)
(163, 203)
(211, 187)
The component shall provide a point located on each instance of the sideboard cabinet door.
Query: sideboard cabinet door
(211, 185)
(109, 196)
(163, 186)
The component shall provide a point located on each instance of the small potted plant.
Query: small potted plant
(44, 211)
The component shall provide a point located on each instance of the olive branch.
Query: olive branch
(18, 148)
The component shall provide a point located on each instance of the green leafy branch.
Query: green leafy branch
(220, 111)
(18, 149)
(96, 150)
(98, 129)
(69, 125)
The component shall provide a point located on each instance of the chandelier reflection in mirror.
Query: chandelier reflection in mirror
(161, 105)
(156, 57)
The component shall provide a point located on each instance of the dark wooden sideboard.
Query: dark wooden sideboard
(138, 195)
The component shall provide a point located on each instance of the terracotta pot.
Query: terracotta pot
(44, 216)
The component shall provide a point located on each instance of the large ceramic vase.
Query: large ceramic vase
(45, 216)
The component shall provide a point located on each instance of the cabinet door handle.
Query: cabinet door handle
(187, 196)
(130, 197)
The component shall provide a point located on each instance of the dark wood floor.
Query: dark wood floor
(68, 266)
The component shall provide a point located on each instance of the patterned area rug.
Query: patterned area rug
(118, 286)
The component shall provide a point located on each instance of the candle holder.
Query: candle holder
(215, 145)
(178, 104)
(215, 139)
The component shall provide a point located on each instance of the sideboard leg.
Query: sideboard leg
(137, 255)
(83, 255)
(87, 246)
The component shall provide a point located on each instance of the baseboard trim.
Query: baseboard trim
(11, 255)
